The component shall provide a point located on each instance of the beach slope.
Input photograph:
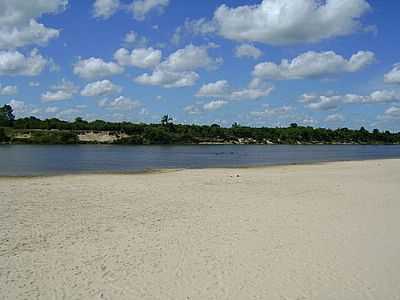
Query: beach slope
(327, 231)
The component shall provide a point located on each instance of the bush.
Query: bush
(3, 136)
(158, 136)
(132, 140)
(54, 138)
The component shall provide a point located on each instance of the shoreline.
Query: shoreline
(174, 170)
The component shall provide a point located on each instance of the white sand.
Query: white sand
(328, 231)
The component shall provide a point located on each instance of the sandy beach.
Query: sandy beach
(327, 231)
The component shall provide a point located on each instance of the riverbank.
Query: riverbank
(326, 231)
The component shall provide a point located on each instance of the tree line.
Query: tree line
(55, 131)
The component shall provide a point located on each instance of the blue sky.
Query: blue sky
(262, 63)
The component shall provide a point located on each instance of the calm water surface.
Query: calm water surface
(27, 160)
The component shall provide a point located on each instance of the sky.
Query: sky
(321, 63)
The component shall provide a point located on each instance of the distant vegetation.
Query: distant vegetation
(53, 131)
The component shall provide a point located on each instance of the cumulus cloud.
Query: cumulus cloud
(18, 22)
(394, 75)
(332, 102)
(100, 88)
(13, 63)
(221, 89)
(214, 105)
(60, 92)
(93, 68)
(191, 58)
(313, 65)
(248, 50)
(376, 97)
(132, 38)
(251, 93)
(280, 22)
(34, 84)
(168, 79)
(52, 96)
(322, 102)
(193, 27)
(19, 107)
(22, 109)
(144, 58)
(199, 27)
(8, 90)
(334, 118)
(178, 70)
(121, 103)
(192, 110)
(51, 110)
(141, 8)
(269, 112)
(203, 108)
(105, 8)
(392, 113)
(70, 113)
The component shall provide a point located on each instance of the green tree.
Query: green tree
(7, 117)
(3, 136)
(165, 120)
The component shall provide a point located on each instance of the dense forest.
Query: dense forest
(54, 131)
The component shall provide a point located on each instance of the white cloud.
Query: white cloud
(334, 118)
(21, 109)
(53, 96)
(269, 112)
(192, 110)
(325, 103)
(8, 90)
(121, 103)
(141, 8)
(93, 68)
(376, 97)
(130, 37)
(168, 79)
(280, 22)
(100, 88)
(51, 110)
(178, 69)
(70, 113)
(332, 102)
(193, 27)
(60, 92)
(200, 108)
(394, 75)
(18, 22)
(313, 65)
(251, 93)
(105, 8)
(18, 106)
(199, 27)
(214, 105)
(221, 89)
(142, 57)
(247, 50)
(34, 84)
(15, 63)
(392, 113)
(191, 58)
